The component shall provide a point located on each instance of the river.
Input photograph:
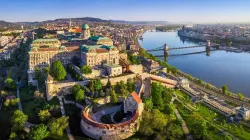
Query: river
(219, 68)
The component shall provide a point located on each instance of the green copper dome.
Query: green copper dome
(85, 26)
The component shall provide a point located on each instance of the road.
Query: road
(18, 96)
(183, 125)
(63, 114)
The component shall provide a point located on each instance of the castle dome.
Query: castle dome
(85, 26)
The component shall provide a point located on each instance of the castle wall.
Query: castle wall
(114, 80)
(97, 130)
(57, 88)
(138, 69)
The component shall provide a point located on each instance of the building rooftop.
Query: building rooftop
(87, 48)
(97, 38)
(46, 40)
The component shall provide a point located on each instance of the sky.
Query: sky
(197, 11)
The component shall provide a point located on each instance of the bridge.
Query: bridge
(162, 48)
(166, 49)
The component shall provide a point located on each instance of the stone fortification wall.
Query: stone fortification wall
(57, 88)
(114, 80)
(97, 130)
(137, 69)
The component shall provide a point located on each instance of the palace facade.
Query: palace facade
(99, 54)
(96, 50)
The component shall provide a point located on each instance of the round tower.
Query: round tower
(85, 31)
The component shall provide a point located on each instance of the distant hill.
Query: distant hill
(89, 19)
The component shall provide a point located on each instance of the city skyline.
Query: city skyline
(159, 10)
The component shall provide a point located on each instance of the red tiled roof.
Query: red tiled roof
(101, 50)
(136, 97)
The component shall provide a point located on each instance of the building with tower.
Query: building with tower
(85, 32)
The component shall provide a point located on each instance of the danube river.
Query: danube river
(218, 68)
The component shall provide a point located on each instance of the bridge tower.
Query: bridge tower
(208, 48)
(165, 50)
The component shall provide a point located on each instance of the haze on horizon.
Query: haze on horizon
(197, 11)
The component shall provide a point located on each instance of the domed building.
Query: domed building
(85, 32)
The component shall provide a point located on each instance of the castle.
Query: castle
(96, 50)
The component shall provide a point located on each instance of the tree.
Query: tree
(157, 94)
(169, 109)
(198, 125)
(86, 69)
(56, 126)
(98, 84)
(44, 115)
(240, 96)
(142, 52)
(46, 70)
(18, 121)
(38, 132)
(224, 89)
(227, 137)
(12, 136)
(148, 104)
(39, 75)
(57, 70)
(3, 93)
(151, 121)
(6, 103)
(173, 131)
(10, 83)
(114, 97)
(75, 88)
(79, 96)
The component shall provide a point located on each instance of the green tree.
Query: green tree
(12, 136)
(98, 84)
(3, 93)
(152, 121)
(142, 52)
(169, 109)
(148, 104)
(39, 75)
(114, 97)
(79, 96)
(173, 131)
(57, 70)
(56, 126)
(240, 96)
(86, 69)
(38, 132)
(227, 137)
(156, 91)
(75, 88)
(10, 83)
(18, 121)
(224, 89)
(44, 115)
(46, 70)
(6, 103)
(198, 126)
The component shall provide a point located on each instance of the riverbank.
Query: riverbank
(215, 69)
